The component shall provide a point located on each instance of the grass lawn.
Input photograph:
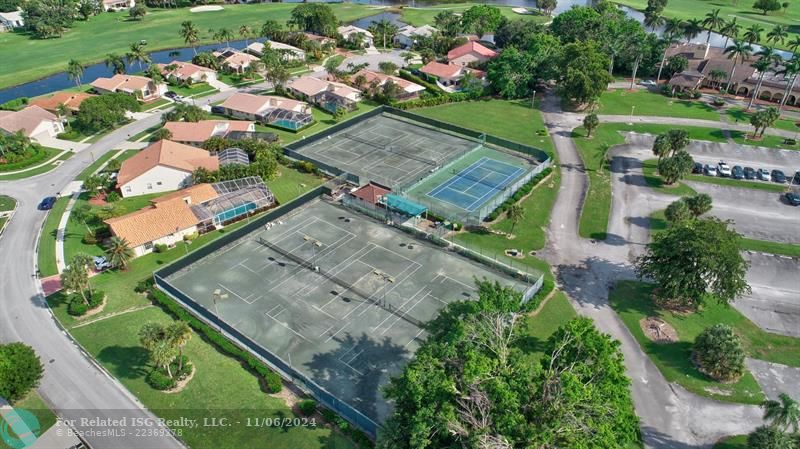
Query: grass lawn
(221, 387)
(156, 104)
(734, 442)
(114, 32)
(88, 171)
(422, 16)
(47, 240)
(743, 11)
(3, 221)
(654, 180)
(620, 101)
(512, 120)
(744, 117)
(536, 329)
(236, 82)
(7, 203)
(39, 170)
(597, 205)
(34, 404)
(291, 183)
(145, 133)
(195, 90)
(632, 301)
(48, 154)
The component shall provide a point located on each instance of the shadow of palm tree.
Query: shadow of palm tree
(129, 362)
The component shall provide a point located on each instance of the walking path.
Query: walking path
(74, 188)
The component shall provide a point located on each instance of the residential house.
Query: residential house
(116, 5)
(349, 33)
(470, 54)
(409, 90)
(317, 38)
(71, 100)
(161, 167)
(141, 87)
(33, 122)
(290, 53)
(11, 20)
(328, 95)
(235, 60)
(186, 73)
(271, 110)
(195, 133)
(408, 35)
(449, 76)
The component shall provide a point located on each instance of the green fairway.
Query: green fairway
(221, 388)
(632, 301)
(620, 102)
(46, 255)
(113, 33)
(742, 10)
(425, 15)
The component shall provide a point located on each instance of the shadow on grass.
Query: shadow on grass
(128, 362)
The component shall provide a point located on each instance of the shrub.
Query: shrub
(69, 135)
(89, 238)
(190, 237)
(15, 104)
(696, 95)
(77, 307)
(769, 438)
(788, 141)
(719, 354)
(113, 197)
(305, 166)
(160, 381)
(96, 298)
(433, 101)
(143, 286)
(273, 382)
(718, 102)
(160, 248)
(307, 407)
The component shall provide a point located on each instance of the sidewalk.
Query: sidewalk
(75, 189)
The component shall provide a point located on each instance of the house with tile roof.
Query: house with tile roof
(407, 36)
(408, 89)
(290, 52)
(33, 122)
(328, 95)
(161, 167)
(469, 54)
(71, 100)
(140, 87)
(449, 76)
(234, 60)
(268, 109)
(195, 133)
(349, 33)
(185, 72)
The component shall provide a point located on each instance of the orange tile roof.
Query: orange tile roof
(254, 104)
(371, 192)
(204, 129)
(122, 82)
(406, 85)
(25, 120)
(441, 70)
(196, 194)
(182, 70)
(470, 47)
(153, 222)
(169, 154)
(72, 100)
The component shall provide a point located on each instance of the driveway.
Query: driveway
(62, 144)
(774, 303)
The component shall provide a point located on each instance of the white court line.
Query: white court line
(404, 313)
(470, 287)
(325, 331)
(414, 338)
(348, 365)
(388, 317)
(337, 332)
(355, 356)
(497, 187)
(456, 177)
(237, 295)
(397, 282)
(369, 247)
(287, 327)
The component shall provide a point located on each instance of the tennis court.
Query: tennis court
(474, 185)
(335, 295)
(388, 149)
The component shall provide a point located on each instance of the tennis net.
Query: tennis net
(389, 149)
(337, 280)
(463, 174)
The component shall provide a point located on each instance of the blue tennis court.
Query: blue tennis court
(473, 186)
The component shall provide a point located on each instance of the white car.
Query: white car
(647, 83)
(101, 263)
(724, 169)
(710, 170)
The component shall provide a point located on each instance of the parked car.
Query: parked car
(101, 263)
(47, 203)
(796, 178)
(647, 83)
(793, 198)
(778, 176)
(710, 170)
(217, 110)
(724, 169)
(737, 172)
(749, 173)
(698, 168)
(763, 174)
(173, 95)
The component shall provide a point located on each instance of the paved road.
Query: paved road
(670, 416)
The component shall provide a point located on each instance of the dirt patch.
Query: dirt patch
(95, 311)
(183, 382)
(99, 200)
(658, 330)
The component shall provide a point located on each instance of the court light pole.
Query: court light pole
(386, 281)
(314, 245)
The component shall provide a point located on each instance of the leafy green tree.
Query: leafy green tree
(769, 438)
(516, 213)
(49, 18)
(388, 67)
(75, 71)
(448, 23)
(578, 24)
(216, 144)
(584, 75)
(115, 62)
(315, 18)
(206, 59)
(673, 168)
(783, 414)
(766, 6)
(20, 371)
(693, 259)
(138, 11)
(547, 6)
(190, 34)
(590, 123)
(719, 354)
(89, 8)
(698, 204)
(162, 133)
(104, 111)
(514, 73)
(383, 31)
(185, 112)
(677, 64)
(519, 33)
(119, 252)
(271, 29)
(482, 19)
(677, 212)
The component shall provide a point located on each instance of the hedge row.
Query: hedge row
(456, 97)
(16, 104)
(430, 87)
(271, 378)
(39, 156)
(519, 194)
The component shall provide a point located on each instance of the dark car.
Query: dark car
(737, 172)
(698, 168)
(793, 198)
(217, 110)
(778, 176)
(749, 173)
(171, 94)
(47, 203)
(796, 178)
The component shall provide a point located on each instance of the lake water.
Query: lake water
(60, 81)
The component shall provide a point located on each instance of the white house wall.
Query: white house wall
(157, 179)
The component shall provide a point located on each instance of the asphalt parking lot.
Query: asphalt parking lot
(774, 303)
(747, 156)
(757, 214)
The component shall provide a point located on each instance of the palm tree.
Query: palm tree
(75, 71)
(653, 20)
(137, 54)
(673, 26)
(767, 57)
(692, 28)
(753, 33)
(119, 252)
(669, 38)
(737, 52)
(794, 44)
(777, 34)
(115, 63)
(384, 28)
(790, 73)
(730, 29)
(716, 76)
(179, 334)
(190, 34)
(74, 279)
(712, 22)
(245, 31)
(224, 34)
(515, 213)
(62, 110)
(783, 413)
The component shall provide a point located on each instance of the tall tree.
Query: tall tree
(179, 333)
(482, 19)
(590, 123)
(783, 414)
(694, 259)
(20, 371)
(737, 52)
(119, 252)
(730, 29)
(766, 6)
(245, 32)
(692, 28)
(271, 29)
(384, 31)
(712, 22)
(116, 63)
(583, 73)
(777, 35)
(75, 71)
(137, 11)
(767, 58)
(448, 23)
(752, 34)
(136, 53)
(190, 34)
(674, 168)
(315, 18)
(668, 40)
(790, 73)
(516, 213)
